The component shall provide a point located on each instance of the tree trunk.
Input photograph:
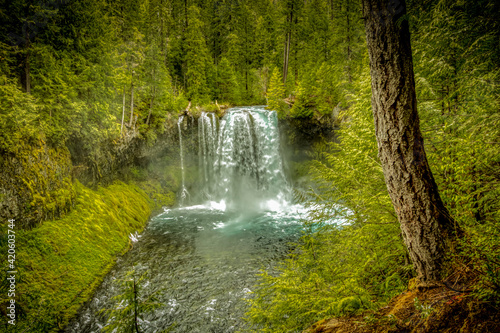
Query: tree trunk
(123, 111)
(349, 78)
(131, 105)
(27, 31)
(426, 225)
(27, 72)
(288, 36)
(295, 52)
(151, 105)
(246, 57)
(285, 50)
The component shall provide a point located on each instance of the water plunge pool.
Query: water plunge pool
(203, 262)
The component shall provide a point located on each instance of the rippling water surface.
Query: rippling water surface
(203, 260)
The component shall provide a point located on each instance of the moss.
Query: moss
(159, 195)
(36, 184)
(61, 262)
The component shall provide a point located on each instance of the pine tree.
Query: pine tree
(196, 57)
(132, 305)
(228, 86)
(276, 94)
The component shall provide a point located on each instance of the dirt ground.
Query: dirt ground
(448, 308)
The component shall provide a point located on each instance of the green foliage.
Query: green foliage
(159, 195)
(333, 272)
(300, 108)
(17, 118)
(351, 257)
(84, 59)
(131, 305)
(424, 309)
(228, 88)
(63, 261)
(457, 84)
(38, 179)
(276, 94)
(197, 59)
(352, 165)
(336, 270)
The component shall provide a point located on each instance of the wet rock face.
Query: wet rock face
(35, 184)
(298, 139)
(36, 181)
(302, 133)
(111, 160)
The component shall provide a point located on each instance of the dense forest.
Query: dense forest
(85, 85)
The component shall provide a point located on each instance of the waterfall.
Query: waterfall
(239, 159)
(184, 193)
(207, 142)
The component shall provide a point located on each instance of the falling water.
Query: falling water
(202, 261)
(207, 138)
(240, 161)
(184, 193)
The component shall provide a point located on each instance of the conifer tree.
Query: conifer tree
(276, 94)
(426, 225)
(228, 86)
(132, 305)
(196, 57)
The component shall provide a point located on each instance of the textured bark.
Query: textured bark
(426, 225)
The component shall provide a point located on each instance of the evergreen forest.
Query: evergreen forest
(104, 110)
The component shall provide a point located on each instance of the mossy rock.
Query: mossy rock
(35, 184)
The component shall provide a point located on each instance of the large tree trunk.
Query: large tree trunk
(426, 225)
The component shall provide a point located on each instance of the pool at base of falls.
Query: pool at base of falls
(201, 261)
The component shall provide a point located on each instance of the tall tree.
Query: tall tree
(196, 57)
(426, 225)
(290, 11)
(276, 93)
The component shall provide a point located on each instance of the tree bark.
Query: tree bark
(151, 106)
(27, 71)
(123, 111)
(426, 225)
(131, 105)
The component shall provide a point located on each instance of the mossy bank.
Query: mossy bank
(73, 213)
(60, 263)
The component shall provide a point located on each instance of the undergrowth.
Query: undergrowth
(361, 263)
(351, 256)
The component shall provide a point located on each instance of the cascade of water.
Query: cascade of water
(240, 162)
(207, 138)
(184, 193)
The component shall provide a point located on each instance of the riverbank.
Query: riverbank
(61, 262)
